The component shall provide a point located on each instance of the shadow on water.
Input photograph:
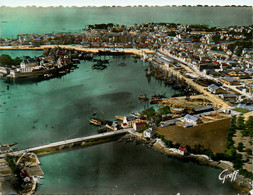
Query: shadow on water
(27, 81)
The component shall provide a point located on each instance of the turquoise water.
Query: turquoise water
(59, 109)
(21, 53)
(15, 21)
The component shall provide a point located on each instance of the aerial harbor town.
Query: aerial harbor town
(210, 122)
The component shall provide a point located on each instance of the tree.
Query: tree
(149, 112)
(164, 110)
(241, 124)
(240, 147)
(249, 151)
(231, 152)
(157, 122)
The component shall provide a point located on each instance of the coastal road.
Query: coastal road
(215, 99)
(196, 71)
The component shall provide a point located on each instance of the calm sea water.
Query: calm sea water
(59, 109)
(37, 113)
(120, 168)
(15, 21)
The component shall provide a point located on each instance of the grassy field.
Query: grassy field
(210, 135)
(241, 110)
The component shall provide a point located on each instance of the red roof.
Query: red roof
(25, 174)
(182, 149)
(140, 123)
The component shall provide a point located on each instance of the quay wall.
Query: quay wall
(216, 100)
(140, 52)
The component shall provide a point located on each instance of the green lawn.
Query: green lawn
(241, 110)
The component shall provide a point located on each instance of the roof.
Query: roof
(140, 123)
(213, 86)
(181, 148)
(246, 107)
(130, 118)
(149, 131)
(204, 108)
(228, 95)
(190, 117)
(230, 79)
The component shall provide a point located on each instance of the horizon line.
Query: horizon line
(112, 6)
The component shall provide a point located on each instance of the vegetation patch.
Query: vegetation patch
(241, 110)
(6, 60)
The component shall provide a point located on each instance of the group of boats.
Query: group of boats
(101, 123)
(154, 99)
(100, 64)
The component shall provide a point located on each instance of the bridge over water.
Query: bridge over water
(80, 141)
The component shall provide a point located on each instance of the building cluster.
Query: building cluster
(46, 65)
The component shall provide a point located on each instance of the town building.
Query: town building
(230, 81)
(148, 133)
(191, 119)
(139, 126)
(216, 89)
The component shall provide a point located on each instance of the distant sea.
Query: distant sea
(40, 20)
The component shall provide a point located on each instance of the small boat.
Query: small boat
(62, 72)
(155, 101)
(143, 97)
(119, 117)
(12, 144)
(95, 122)
(99, 66)
(76, 61)
(48, 75)
(103, 130)
(158, 96)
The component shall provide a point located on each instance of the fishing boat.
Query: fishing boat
(119, 117)
(102, 130)
(143, 97)
(95, 122)
(158, 96)
(99, 66)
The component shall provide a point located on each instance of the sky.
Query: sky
(14, 3)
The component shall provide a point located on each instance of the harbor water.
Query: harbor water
(59, 109)
(32, 114)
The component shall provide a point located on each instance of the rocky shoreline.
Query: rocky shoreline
(241, 183)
